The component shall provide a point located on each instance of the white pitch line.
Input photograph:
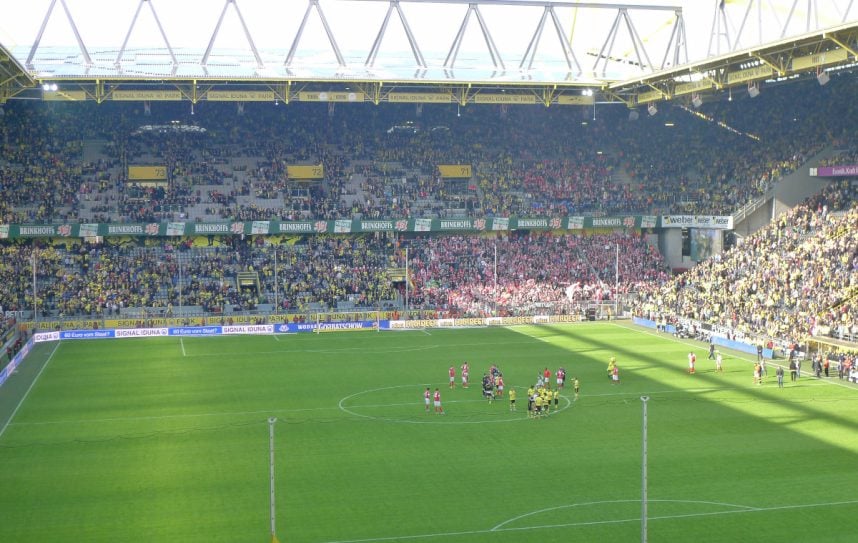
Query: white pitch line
(181, 416)
(595, 522)
(182, 343)
(27, 393)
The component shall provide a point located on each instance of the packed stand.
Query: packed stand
(534, 271)
(68, 162)
(794, 278)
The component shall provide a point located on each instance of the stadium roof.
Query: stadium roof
(415, 50)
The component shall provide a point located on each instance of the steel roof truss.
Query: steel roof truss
(720, 29)
(450, 61)
(292, 50)
(412, 42)
(812, 11)
(568, 53)
(681, 45)
(205, 59)
(80, 44)
(637, 43)
(131, 29)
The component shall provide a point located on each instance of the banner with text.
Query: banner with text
(850, 170)
(717, 222)
(354, 226)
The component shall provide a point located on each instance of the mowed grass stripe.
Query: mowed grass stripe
(140, 439)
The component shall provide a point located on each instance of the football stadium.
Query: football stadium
(356, 271)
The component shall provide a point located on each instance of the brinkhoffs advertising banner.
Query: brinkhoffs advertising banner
(358, 226)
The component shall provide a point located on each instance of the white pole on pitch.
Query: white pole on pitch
(179, 262)
(644, 399)
(617, 283)
(35, 294)
(271, 422)
(495, 273)
(406, 279)
(276, 285)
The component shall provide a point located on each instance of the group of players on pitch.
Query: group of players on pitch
(540, 396)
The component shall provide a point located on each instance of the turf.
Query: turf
(167, 440)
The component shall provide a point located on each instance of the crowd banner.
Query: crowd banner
(716, 222)
(835, 171)
(355, 226)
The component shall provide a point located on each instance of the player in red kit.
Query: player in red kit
(466, 373)
(437, 400)
(427, 396)
(452, 377)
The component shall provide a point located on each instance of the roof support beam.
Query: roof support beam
(118, 60)
(80, 44)
(568, 53)
(450, 61)
(247, 35)
(292, 50)
(412, 42)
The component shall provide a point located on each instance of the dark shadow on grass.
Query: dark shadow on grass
(703, 378)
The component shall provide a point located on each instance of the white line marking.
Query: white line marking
(500, 526)
(347, 409)
(277, 339)
(165, 417)
(182, 343)
(597, 522)
(27, 393)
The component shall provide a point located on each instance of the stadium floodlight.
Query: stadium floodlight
(634, 115)
(753, 90)
(652, 110)
(823, 78)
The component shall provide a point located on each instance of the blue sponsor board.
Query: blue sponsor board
(195, 331)
(671, 329)
(13, 364)
(295, 328)
(716, 339)
(87, 334)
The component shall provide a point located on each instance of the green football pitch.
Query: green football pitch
(167, 439)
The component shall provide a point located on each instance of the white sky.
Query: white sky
(273, 25)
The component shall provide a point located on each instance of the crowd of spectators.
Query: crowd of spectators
(520, 273)
(68, 162)
(794, 278)
(454, 274)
